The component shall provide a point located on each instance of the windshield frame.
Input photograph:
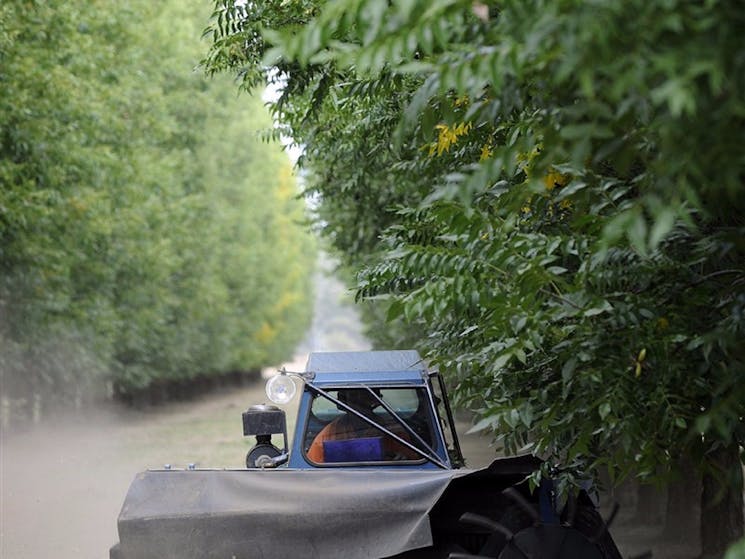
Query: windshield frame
(427, 453)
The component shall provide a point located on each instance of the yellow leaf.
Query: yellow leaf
(463, 100)
(447, 137)
(555, 179)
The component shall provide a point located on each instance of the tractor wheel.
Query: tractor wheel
(585, 536)
(551, 541)
(520, 534)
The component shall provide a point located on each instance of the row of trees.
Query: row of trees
(546, 197)
(148, 235)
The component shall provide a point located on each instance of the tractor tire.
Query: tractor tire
(518, 534)
(587, 537)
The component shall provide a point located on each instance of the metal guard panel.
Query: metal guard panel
(277, 514)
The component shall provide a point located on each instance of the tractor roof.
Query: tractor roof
(367, 366)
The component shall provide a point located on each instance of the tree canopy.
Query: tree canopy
(546, 197)
(148, 234)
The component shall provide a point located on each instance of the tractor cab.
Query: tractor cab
(358, 409)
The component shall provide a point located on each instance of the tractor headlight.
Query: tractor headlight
(281, 389)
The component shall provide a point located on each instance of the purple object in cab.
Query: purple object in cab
(368, 449)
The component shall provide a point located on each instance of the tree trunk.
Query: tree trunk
(721, 502)
(650, 504)
(682, 518)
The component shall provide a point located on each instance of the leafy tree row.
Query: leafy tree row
(547, 197)
(148, 235)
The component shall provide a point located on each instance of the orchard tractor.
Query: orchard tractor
(373, 469)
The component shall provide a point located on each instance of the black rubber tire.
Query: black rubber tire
(587, 522)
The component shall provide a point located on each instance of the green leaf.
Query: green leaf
(603, 307)
(482, 425)
(663, 224)
(526, 415)
(637, 233)
(604, 410)
(568, 369)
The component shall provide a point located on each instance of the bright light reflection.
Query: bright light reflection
(280, 389)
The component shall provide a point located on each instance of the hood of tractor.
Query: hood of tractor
(322, 513)
(281, 513)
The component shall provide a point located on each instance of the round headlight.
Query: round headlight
(280, 389)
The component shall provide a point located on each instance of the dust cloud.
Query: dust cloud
(62, 484)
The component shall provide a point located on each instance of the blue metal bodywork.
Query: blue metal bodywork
(374, 369)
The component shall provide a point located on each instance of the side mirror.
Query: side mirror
(263, 421)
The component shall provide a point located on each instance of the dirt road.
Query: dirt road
(60, 487)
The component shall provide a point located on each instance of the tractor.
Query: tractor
(373, 469)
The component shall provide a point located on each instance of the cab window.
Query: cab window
(335, 435)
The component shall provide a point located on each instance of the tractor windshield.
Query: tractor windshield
(370, 425)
